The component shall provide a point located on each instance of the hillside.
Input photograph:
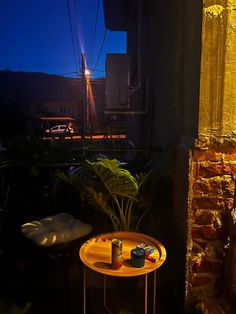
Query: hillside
(24, 94)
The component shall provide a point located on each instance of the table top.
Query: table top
(96, 253)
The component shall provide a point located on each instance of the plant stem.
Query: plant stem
(123, 223)
(129, 213)
(138, 223)
(126, 209)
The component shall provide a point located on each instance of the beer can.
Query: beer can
(116, 252)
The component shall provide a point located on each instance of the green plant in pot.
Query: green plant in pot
(109, 187)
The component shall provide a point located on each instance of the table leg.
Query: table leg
(105, 294)
(84, 290)
(104, 291)
(154, 292)
(146, 288)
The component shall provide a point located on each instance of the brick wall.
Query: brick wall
(211, 199)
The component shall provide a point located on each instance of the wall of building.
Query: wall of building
(210, 281)
(217, 114)
(211, 199)
(173, 53)
(66, 107)
(164, 24)
(170, 41)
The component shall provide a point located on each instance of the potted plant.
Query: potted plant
(109, 187)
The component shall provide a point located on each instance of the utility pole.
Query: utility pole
(84, 109)
(86, 104)
(88, 127)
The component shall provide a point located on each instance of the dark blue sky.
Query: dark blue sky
(36, 36)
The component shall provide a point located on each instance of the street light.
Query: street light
(86, 73)
(87, 102)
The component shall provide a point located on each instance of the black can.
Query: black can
(137, 257)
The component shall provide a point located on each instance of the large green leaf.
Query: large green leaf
(118, 181)
(142, 177)
(75, 181)
(98, 200)
(111, 189)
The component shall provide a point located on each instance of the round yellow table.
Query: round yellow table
(96, 255)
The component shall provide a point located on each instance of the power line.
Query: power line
(76, 29)
(94, 70)
(68, 73)
(72, 37)
(94, 32)
(51, 64)
(99, 55)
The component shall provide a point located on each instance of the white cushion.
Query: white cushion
(56, 229)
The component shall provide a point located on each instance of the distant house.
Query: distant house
(42, 94)
(61, 107)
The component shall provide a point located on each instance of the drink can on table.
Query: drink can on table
(116, 251)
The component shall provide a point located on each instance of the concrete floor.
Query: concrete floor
(40, 284)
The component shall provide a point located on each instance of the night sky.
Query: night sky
(49, 35)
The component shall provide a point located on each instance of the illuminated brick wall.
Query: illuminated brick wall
(211, 274)
(211, 200)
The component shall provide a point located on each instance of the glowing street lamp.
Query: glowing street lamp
(86, 73)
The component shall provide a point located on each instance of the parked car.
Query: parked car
(60, 129)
